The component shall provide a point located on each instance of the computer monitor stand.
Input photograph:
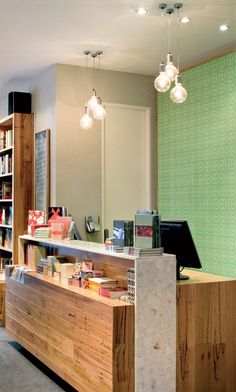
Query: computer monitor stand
(180, 276)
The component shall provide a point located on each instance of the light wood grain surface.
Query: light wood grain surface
(87, 340)
(206, 334)
(2, 304)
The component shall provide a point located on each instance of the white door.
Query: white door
(125, 163)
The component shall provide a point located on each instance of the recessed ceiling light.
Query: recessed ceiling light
(141, 11)
(185, 19)
(224, 27)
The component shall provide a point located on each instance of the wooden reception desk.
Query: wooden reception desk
(96, 344)
(206, 333)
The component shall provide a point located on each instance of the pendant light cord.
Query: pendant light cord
(169, 34)
(93, 78)
(162, 41)
(86, 65)
(99, 71)
(178, 56)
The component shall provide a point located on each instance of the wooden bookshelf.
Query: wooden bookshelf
(21, 153)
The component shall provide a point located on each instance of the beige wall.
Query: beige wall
(78, 156)
(43, 89)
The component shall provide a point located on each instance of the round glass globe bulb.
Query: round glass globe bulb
(99, 112)
(92, 103)
(162, 82)
(86, 122)
(171, 71)
(178, 93)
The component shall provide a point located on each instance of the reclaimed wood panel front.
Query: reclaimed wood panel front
(206, 334)
(2, 304)
(89, 343)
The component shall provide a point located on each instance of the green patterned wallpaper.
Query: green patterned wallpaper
(197, 161)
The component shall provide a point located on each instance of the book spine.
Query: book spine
(156, 236)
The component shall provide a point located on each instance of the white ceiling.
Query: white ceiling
(37, 33)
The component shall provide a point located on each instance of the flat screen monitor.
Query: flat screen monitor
(176, 239)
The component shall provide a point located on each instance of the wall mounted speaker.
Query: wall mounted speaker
(19, 102)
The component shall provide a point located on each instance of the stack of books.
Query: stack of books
(102, 283)
(114, 293)
(142, 252)
(42, 232)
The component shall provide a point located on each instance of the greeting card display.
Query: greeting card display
(35, 218)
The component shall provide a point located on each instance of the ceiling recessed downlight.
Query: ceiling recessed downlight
(184, 19)
(141, 11)
(224, 27)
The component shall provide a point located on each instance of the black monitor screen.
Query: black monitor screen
(176, 239)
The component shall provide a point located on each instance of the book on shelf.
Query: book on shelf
(41, 231)
(6, 164)
(6, 190)
(123, 232)
(60, 227)
(7, 239)
(6, 215)
(34, 254)
(97, 283)
(114, 293)
(147, 229)
(131, 251)
(6, 139)
(9, 138)
(35, 218)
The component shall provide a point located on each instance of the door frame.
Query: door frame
(147, 111)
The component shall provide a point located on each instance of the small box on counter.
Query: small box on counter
(67, 270)
(76, 280)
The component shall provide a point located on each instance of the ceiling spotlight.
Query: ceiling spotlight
(141, 11)
(184, 20)
(224, 27)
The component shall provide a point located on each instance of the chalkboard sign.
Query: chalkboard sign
(42, 167)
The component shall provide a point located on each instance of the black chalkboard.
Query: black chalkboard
(42, 169)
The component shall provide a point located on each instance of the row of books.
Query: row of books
(6, 164)
(6, 215)
(6, 139)
(6, 238)
(6, 190)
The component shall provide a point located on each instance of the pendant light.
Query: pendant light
(170, 69)
(99, 111)
(162, 82)
(86, 122)
(178, 93)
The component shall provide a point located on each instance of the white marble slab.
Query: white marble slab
(77, 245)
(155, 324)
